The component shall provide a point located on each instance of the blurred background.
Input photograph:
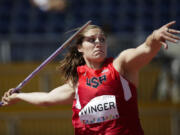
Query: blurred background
(30, 30)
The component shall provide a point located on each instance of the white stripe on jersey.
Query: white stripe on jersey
(78, 105)
(126, 89)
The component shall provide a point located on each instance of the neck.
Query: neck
(94, 64)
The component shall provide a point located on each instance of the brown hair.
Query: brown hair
(74, 58)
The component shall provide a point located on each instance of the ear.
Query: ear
(80, 49)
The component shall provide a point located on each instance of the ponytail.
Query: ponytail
(68, 66)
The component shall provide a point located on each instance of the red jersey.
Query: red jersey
(105, 103)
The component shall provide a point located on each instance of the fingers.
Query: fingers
(165, 45)
(7, 94)
(11, 91)
(173, 31)
(168, 34)
(4, 101)
(4, 104)
(172, 35)
(170, 24)
(9, 100)
(171, 39)
(6, 97)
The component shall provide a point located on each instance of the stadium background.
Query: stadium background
(28, 35)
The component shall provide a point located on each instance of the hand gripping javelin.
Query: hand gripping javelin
(50, 58)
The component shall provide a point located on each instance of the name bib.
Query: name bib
(99, 109)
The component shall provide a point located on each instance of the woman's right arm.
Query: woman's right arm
(60, 95)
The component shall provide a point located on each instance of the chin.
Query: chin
(100, 59)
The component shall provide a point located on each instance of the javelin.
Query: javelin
(50, 58)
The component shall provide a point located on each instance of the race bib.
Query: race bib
(99, 109)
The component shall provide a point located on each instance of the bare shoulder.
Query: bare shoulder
(119, 61)
(120, 64)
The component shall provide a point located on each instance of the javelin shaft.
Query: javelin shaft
(50, 58)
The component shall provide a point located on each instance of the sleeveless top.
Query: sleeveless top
(105, 103)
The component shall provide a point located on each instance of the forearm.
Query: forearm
(150, 48)
(35, 98)
(61, 95)
(136, 58)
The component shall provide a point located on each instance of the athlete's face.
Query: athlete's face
(94, 46)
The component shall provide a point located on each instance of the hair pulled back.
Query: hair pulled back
(74, 58)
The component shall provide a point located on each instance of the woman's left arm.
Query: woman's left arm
(132, 60)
